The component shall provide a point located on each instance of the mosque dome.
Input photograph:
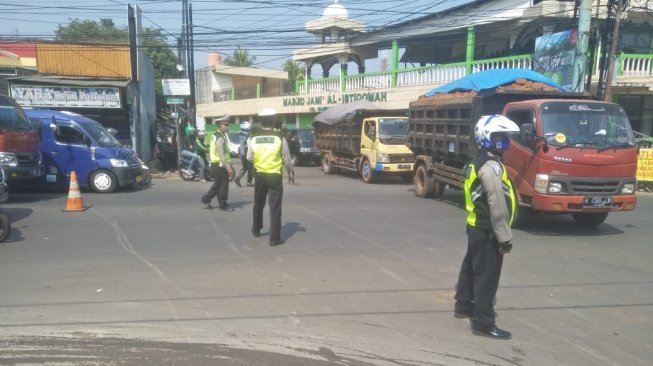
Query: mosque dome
(335, 11)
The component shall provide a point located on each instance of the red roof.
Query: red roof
(20, 49)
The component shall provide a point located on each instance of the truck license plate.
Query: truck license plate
(139, 178)
(597, 202)
(404, 166)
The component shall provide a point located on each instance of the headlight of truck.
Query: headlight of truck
(8, 159)
(628, 188)
(118, 163)
(555, 187)
(541, 183)
(382, 158)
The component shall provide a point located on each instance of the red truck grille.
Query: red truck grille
(595, 187)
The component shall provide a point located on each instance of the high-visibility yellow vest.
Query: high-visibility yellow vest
(267, 153)
(213, 148)
(478, 209)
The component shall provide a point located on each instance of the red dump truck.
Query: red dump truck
(20, 156)
(573, 155)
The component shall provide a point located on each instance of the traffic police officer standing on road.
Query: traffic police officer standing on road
(220, 156)
(490, 201)
(268, 151)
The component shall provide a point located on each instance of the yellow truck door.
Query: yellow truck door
(368, 140)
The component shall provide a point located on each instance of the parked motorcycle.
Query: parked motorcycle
(146, 177)
(188, 174)
(5, 224)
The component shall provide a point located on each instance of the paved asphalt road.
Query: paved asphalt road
(147, 277)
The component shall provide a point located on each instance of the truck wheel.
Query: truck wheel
(327, 167)
(521, 216)
(590, 219)
(648, 187)
(423, 183)
(438, 188)
(5, 227)
(103, 181)
(407, 178)
(367, 172)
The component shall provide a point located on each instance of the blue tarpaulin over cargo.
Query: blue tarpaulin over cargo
(491, 79)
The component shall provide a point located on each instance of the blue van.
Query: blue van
(72, 142)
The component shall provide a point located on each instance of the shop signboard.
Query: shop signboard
(174, 100)
(66, 96)
(176, 86)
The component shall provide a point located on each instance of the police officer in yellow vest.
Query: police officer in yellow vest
(268, 151)
(490, 200)
(220, 157)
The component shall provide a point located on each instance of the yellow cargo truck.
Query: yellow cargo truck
(362, 137)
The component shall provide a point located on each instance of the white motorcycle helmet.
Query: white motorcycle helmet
(245, 126)
(494, 124)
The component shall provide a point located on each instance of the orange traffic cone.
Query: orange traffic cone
(75, 202)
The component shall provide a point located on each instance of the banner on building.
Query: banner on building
(554, 57)
(645, 165)
(176, 86)
(66, 96)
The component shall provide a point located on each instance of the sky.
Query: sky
(269, 29)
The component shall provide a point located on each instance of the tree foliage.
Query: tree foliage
(240, 58)
(295, 72)
(104, 31)
(157, 50)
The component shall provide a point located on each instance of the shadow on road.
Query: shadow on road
(563, 225)
(290, 228)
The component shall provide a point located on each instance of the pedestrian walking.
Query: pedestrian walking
(268, 151)
(221, 167)
(242, 152)
(490, 200)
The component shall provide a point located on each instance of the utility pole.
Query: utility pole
(184, 17)
(582, 42)
(136, 107)
(594, 42)
(613, 52)
(191, 66)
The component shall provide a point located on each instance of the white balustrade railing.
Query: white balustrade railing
(637, 65)
(369, 81)
(503, 63)
(324, 86)
(433, 75)
(631, 65)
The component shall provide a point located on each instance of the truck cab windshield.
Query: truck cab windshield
(306, 138)
(594, 125)
(102, 136)
(12, 118)
(393, 131)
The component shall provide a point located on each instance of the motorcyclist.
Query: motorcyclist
(242, 151)
(200, 147)
(188, 152)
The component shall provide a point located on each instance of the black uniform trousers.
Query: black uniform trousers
(478, 280)
(220, 186)
(247, 168)
(268, 184)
